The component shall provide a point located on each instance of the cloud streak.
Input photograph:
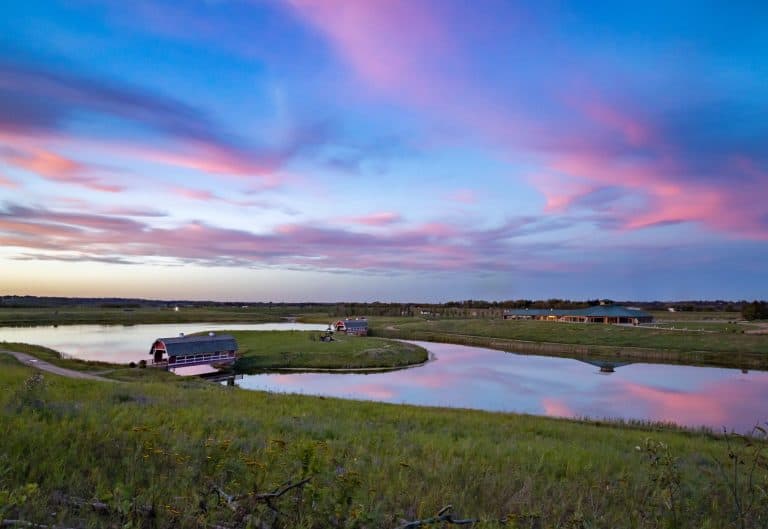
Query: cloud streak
(58, 168)
(39, 102)
(586, 137)
(423, 247)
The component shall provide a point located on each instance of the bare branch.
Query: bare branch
(233, 500)
(443, 515)
(281, 490)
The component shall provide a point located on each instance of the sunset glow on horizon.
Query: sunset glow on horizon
(392, 150)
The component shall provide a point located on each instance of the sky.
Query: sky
(391, 150)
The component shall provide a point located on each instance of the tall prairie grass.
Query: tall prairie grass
(151, 453)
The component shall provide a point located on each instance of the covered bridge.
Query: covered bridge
(183, 351)
(358, 326)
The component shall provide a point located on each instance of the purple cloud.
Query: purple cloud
(36, 101)
(424, 247)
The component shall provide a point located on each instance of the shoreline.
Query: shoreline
(131, 373)
(695, 358)
(335, 370)
(721, 359)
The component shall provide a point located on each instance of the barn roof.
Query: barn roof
(356, 324)
(182, 345)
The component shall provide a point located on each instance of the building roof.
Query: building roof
(599, 311)
(183, 345)
(356, 324)
(612, 311)
(531, 312)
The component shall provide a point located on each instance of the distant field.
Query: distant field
(151, 455)
(663, 315)
(108, 315)
(712, 326)
(588, 334)
(303, 349)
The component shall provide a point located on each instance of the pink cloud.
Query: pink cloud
(464, 196)
(634, 131)
(194, 194)
(427, 247)
(666, 199)
(57, 168)
(179, 135)
(357, 30)
(594, 141)
(204, 195)
(7, 182)
(382, 218)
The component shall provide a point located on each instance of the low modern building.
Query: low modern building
(183, 351)
(615, 314)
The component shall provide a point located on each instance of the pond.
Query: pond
(486, 379)
(471, 377)
(121, 344)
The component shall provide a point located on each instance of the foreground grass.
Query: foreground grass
(151, 452)
(262, 350)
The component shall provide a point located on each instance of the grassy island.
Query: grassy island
(266, 350)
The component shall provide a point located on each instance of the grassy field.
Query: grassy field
(698, 338)
(722, 316)
(112, 371)
(82, 453)
(264, 350)
(54, 357)
(585, 334)
(107, 315)
(713, 326)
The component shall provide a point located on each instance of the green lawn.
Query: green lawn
(664, 315)
(712, 326)
(262, 350)
(587, 334)
(151, 453)
(54, 357)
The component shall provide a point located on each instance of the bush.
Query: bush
(757, 310)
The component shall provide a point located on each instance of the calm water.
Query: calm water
(470, 377)
(473, 377)
(121, 344)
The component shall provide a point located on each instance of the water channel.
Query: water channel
(472, 377)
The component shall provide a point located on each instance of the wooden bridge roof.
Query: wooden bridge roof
(185, 345)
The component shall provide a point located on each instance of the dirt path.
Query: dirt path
(42, 365)
(762, 328)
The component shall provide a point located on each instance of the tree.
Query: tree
(757, 310)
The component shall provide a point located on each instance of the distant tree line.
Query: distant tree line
(458, 308)
(757, 310)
